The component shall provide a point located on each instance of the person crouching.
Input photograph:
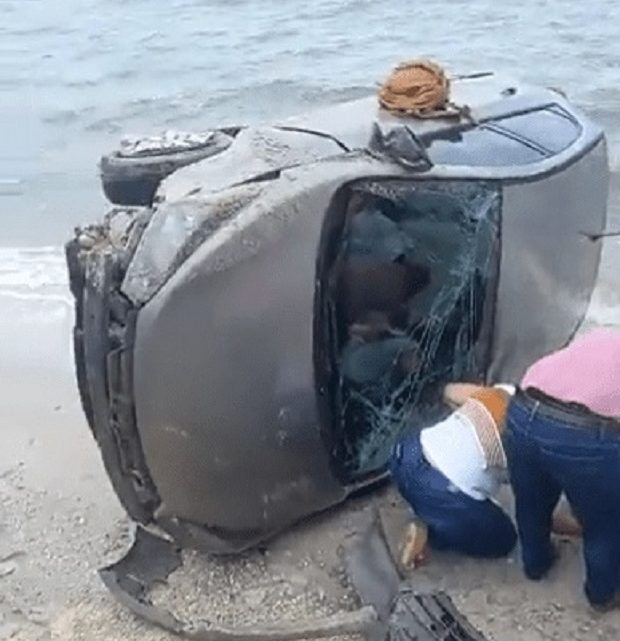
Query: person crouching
(451, 473)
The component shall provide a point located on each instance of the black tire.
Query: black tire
(133, 180)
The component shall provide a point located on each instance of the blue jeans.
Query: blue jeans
(455, 520)
(551, 449)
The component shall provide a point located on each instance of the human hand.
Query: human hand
(456, 394)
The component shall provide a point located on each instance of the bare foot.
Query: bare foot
(414, 546)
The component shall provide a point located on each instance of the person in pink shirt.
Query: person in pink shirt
(563, 436)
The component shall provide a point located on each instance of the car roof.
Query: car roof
(504, 123)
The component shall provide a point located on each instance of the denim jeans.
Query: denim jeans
(455, 520)
(551, 449)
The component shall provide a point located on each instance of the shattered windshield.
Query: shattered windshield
(408, 291)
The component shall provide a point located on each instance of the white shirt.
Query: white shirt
(454, 448)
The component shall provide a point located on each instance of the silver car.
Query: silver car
(278, 309)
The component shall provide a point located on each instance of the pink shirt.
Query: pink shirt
(586, 372)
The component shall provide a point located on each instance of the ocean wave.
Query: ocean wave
(34, 274)
(58, 300)
(603, 311)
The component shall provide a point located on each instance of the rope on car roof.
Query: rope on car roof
(418, 88)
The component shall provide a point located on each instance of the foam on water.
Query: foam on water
(36, 313)
(603, 313)
(34, 282)
(36, 310)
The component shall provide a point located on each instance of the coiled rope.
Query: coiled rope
(418, 88)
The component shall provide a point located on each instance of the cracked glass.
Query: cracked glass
(408, 291)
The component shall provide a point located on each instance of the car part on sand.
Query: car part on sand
(432, 617)
(151, 559)
(390, 610)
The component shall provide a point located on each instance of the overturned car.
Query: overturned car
(257, 323)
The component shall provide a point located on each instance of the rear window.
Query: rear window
(483, 147)
(553, 128)
(517, 140)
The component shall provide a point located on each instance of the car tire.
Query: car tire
(132, 180)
